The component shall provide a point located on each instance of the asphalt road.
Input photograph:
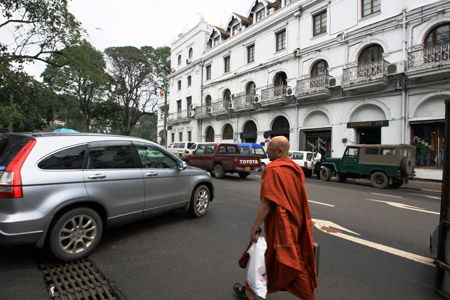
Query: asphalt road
(379, 252)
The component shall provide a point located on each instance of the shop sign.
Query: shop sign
(248, 135)
(368, 124)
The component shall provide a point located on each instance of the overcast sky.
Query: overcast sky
(149, 22)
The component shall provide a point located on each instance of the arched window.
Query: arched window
(191, 53)
(280, 127)
(226, 95)
(227, 132)
(209, 134)
(319, 74)
(280, 84)
(370, 62)
(370, 54)
(439, 36)
(208, 100)
(250, 92)
(250, 132)
(179, 59)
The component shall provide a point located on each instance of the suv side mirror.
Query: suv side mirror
(182, 165)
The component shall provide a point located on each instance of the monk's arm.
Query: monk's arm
(263, 211)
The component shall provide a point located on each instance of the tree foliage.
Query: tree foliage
(132, 85)
(35, 29)
(82, 76)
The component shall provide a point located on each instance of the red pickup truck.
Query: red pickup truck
(221, 158)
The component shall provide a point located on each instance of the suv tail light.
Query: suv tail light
(10, 179)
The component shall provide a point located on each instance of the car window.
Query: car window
(10, 145)
(181, 145)
(371, 151)
(352, 152)
(193, 146)
(209, 149)
(259, 151)
(151, 157)
(298, 156)
(67, 159)
(308, 156)
(245, 149)
(189, 145)
(200, 149)
(111, 157)
(388, 151)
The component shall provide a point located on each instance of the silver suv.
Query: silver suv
(61, 190)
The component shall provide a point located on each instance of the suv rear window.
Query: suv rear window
(111, 157)
(67, 159)
(10, 145)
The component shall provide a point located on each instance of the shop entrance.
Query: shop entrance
(368, 135)
(280, 127)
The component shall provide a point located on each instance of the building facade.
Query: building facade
(325, 74)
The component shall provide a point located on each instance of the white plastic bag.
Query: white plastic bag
(256, 274)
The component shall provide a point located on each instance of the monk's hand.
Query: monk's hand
(254, 236)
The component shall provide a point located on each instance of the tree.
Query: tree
(36, 29)
(25, 104)
(82, 75)
(132, 85)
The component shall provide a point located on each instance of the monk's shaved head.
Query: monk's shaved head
(278, 148)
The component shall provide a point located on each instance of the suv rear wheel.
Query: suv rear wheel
(75, 234)
(379, 180)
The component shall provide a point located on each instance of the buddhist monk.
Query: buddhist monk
(288, 229)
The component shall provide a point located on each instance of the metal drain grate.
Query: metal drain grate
(78, 280)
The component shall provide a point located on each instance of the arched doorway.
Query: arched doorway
(209, 134)
(280, 84)
(250, 132)
(250, 92)
(280, 127)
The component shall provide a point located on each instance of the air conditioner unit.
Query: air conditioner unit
(193, 106)
(396, 68)
(191, 113)
(188, 61)
(289, 91)
(334, 82)
(256, 99)
(210, 110)
(231, 105)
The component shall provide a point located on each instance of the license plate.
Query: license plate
(247, 168)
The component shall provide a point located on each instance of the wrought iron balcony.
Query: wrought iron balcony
(366, 77)
(244, 102)
(429, 63)
(178, 117)
(220, 107)
(276, 95)
(313, 88)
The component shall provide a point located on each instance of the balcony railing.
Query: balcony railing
(365, 72)
(274, 95)
(312, 85)
(429, 57)
(219, 107)
(244, 102)
(178, 117)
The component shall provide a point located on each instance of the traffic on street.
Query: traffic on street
(374, 244)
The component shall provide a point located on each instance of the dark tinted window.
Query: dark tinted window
(371, 151)
(67, 159)
(10, 145)
(152, 157)
(111, 157)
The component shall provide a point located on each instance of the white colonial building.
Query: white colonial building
(324, 73)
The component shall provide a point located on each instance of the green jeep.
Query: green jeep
(383, 164)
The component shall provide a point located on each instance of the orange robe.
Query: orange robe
(288, 229)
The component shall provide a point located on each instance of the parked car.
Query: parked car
(255, 150)
(304, 160)
(221, 158)
(182, 148)
(61, 190)
(383, 164)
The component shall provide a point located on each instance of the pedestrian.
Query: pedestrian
(317, 163)
(288, 228)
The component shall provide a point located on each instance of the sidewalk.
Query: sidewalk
(424, 185)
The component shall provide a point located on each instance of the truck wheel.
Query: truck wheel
(325, 174)
(244, 174)
(407, 166)
(218, 171)
(75, 234)
(342, 177)
(379, 180)
(199, 201)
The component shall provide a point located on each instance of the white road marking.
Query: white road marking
(426, 196)
(405, 206)
(320, 203)
(392, 196)
(333, 229)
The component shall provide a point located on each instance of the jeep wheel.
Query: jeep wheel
(218, 171)
(325, 174)
(342, 177)
(396, 183)
(407, 166)
(75, 234)
(379, 180)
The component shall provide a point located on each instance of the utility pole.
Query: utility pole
(165, 115)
